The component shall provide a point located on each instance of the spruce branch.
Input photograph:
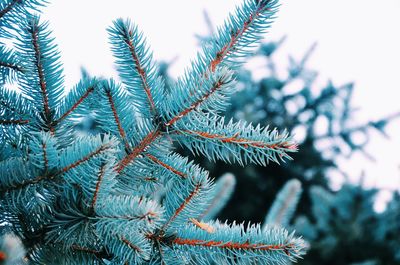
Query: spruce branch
(114, 111)
(97, 146)
(7, 7)
(14, 122)
(16, 174)
(244, 30)
(9, 65)
(18, 7)
(168, 167)
(42, 80)
(234, 40)
(135, 66)
(235, 142)
(235, 244)
(79, 100)
(44, 153)
(211, 95)
(134, 212)
(39, 66)
(16, 119)
(186, 198)
(139, 149)
(67, 163)
(98, 186)
(132, 249)
(14, 108)
(117, 116)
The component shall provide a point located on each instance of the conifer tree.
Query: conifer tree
(124, 196)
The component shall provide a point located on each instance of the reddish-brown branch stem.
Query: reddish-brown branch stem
(235, 139)
(149, 214)
(234, 39)
(138, 150)
(183, 113)
(141, 72)
(130, 244)
(168, 167)
(53, 176)
(97, 189)
(118, 121)
(77, 103)
(8, 7)
(182, 206)
(11, 66)
(233, 245)
(87, 250)
(13, 122)
(86, 158)
(46, 161)
(42, 80)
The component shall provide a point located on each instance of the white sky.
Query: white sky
(358, 40)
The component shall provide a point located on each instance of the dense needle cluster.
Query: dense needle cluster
(124, 196)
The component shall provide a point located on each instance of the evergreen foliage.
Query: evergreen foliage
(284, 206)
(290, 97)
(123, 196)
(341, 227)
(345, 229)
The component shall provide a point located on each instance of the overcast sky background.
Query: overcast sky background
(358, 40)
